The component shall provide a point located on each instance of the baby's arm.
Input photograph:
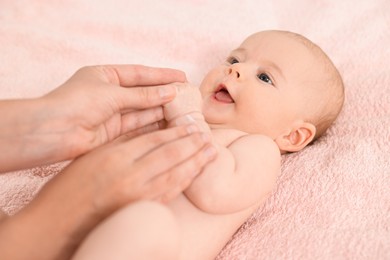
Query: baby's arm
(188, 100)
(241, 175)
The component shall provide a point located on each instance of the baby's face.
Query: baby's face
(261, 86)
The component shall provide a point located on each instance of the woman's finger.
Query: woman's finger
(142, 130)
(138, 75)
(151, 141)
(171, 183)
(143, 97)
(137, 119)
(170, 154)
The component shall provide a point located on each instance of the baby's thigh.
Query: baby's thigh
(142, 230)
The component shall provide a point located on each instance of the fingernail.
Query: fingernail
(210, 152)
(166, 91)
(192, 129)
(183, 120)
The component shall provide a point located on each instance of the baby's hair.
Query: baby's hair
(332, 83)
(337, 95)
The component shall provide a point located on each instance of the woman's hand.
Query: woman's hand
(157, 166)
(102, 102)
(96, 105)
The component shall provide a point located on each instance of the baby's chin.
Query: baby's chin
(216, 120)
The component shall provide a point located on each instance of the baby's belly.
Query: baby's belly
(204, 235)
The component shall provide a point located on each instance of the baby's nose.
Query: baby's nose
(234, 71)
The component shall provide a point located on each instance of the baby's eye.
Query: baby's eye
(232, 60)
(264, 77)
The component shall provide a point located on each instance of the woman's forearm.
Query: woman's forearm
(33, 133)
(30, 135)
(50, 227)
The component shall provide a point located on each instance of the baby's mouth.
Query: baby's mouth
(222, 94)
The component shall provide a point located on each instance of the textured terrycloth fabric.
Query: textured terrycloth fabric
(333, 198)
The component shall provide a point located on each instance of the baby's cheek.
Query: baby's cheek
(205, 85)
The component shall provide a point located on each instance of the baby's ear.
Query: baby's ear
(297, 138)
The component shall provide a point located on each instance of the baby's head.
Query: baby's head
(278, 84)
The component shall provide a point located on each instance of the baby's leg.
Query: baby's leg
(142, 230)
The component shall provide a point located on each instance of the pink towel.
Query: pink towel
(332, 200)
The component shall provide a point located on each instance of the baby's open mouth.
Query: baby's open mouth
(222, 94)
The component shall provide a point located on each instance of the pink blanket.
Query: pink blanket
(332, 200)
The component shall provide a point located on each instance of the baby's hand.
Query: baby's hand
(188, 100)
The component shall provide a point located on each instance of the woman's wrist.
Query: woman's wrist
(32, 135)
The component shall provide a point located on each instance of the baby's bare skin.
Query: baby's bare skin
(203, 234)
(190, 228)
(268, 98)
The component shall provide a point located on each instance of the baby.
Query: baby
(276, 93)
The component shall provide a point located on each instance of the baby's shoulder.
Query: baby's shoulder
(256, 139)
(257, 157)
(260, 146)
(225, 136)
(237, 138)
